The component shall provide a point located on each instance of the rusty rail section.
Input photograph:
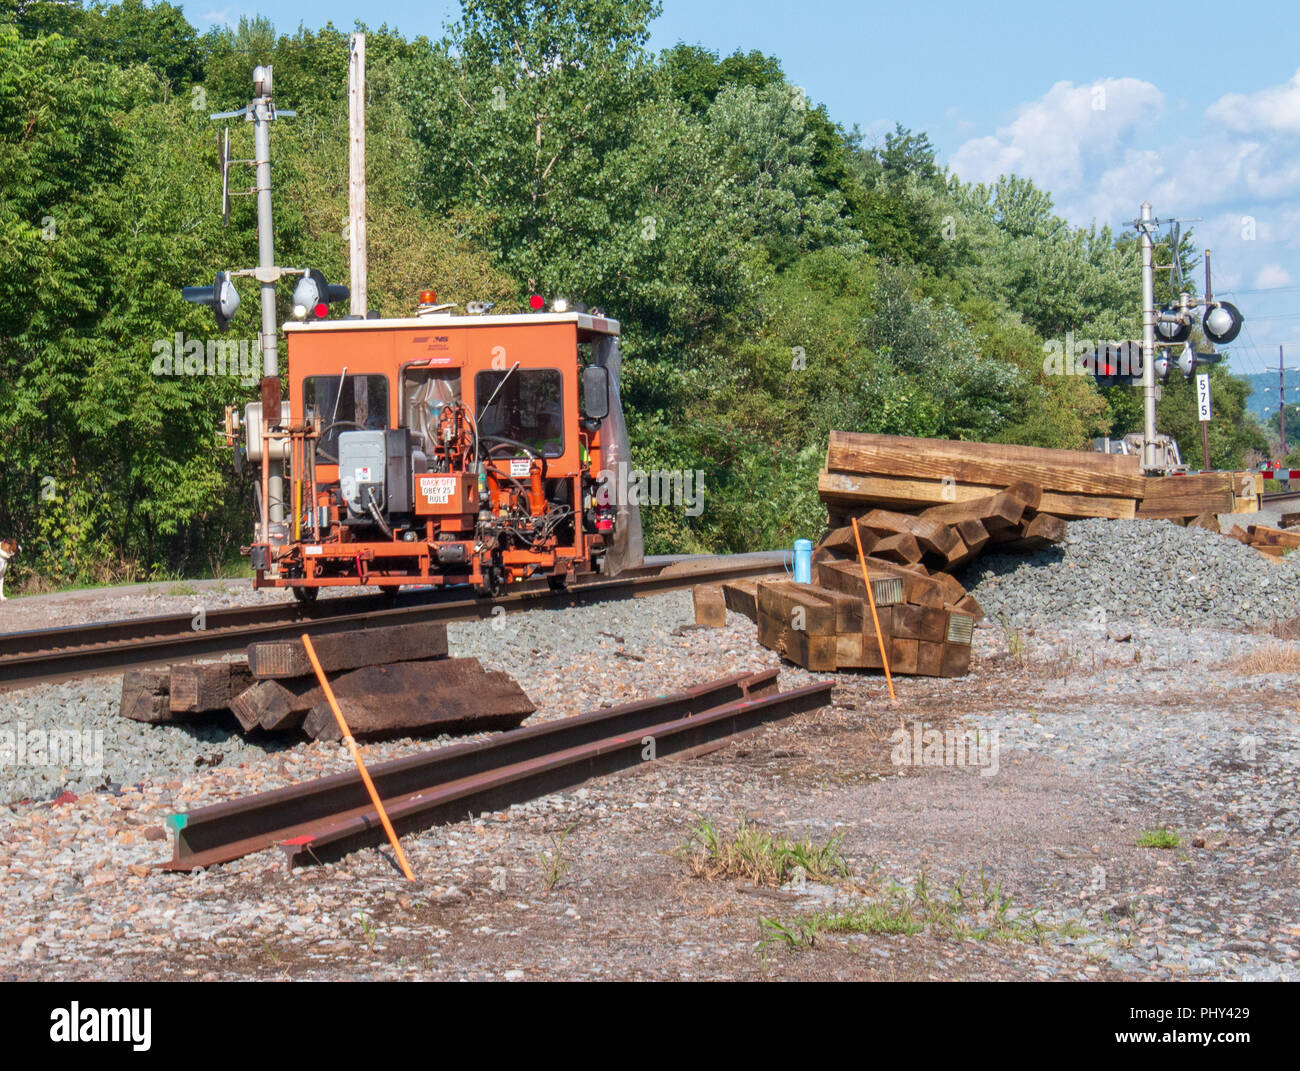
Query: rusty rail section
(60, 654)
(325, 819)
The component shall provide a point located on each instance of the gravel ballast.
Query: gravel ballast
(1105, 733)
(1143, 572)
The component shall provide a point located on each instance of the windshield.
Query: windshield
(348, 403)
(528, 408)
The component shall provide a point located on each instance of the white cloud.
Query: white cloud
(1272, 275)
(1235, 164)
(1100, 151)
(1054, 139)
(1274, 109)
(219, 18)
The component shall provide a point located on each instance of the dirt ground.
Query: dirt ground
(594, 883)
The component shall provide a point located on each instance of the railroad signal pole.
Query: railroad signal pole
(223, 299)
(1281, 399)
(1173, 324)
(1282, 370)
(357, 171)
(1146, 227)
(261, 112)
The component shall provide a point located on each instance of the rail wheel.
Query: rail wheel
(306, 596)
(491, 585)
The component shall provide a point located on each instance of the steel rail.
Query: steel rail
(69, 652)
(224, 831)
(1278, 496)
(552, 773)
(329, 817)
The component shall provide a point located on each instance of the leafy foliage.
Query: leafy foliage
(775, 276)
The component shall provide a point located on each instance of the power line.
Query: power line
(1264, 290)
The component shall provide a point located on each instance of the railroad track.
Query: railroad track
(321, 820)
(67, 653)
(1269, 497)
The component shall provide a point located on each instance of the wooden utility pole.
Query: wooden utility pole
(357, 171)
(1281, 400)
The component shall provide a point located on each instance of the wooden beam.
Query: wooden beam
(1186, 496)
(741, 597)
(204, 687)
(1038, 532)
(710, 605)
(796, 607)
(450, 695)
(932, 536)
(342, 651)
(1263, 535)
(886, 587)
(848, 493)
(144, 695)
(1071, 471)
(901, 548)
(276, 705)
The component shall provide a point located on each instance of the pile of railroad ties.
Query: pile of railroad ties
(924, 509)
(1269, 541)
(393, 681)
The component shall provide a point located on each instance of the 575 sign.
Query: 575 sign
(1203, 413)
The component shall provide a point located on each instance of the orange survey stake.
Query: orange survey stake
(356, 756)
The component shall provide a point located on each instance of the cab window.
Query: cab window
(344, 403)
(528, 408)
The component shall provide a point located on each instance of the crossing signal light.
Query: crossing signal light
(1222, 323)
(1115, 364)
(1190, 360)
(1173, 332)
(313, 296)
(221, 297)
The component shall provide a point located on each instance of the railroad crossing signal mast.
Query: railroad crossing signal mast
(224, 299)
(1172, 325)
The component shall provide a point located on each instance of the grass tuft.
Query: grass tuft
(760, 858)
(1159, 838)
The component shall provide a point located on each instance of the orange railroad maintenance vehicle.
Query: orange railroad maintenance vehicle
(441, 449)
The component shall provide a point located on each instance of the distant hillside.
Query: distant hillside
(1258, 399)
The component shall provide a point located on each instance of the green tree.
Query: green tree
(697, 75)
(156, 35)
(1232, 431)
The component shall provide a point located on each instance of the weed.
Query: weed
(1159, 838)
(922, 907)
(554, 863)
(1015, 642)
(760, 858)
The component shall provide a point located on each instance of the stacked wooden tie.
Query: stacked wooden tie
(891, 472)
(1272, 542)
(391, 681)
(906, 474)
(828, 625)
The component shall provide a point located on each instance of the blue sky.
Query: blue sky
(1103, 103)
